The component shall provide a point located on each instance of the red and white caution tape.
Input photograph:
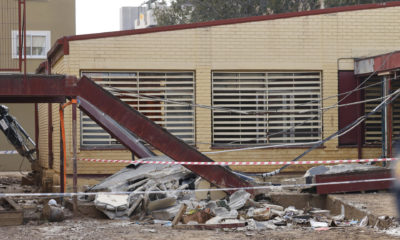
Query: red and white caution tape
(8, 152)
(240, 163)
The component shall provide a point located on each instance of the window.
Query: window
(373, 124)
(37, 44)
(266, 107)
(163, 97)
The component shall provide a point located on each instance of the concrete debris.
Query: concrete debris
(142, 181)
(161, 203)
(316, 224)
(215, 220)
(53, 212)
(273, 207)
(159, 192)
(320, 212)
(238, 199)
(264, 225)
(202, 184)
(364, 222)
(340, 168)
(114, 206)
(166, 214)
(259, 214)
(217, 195)
(224, 213)
(341, 216)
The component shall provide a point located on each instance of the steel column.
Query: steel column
(50, 135)
(386, 119)
(74, 156)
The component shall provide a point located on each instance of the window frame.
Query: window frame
(269, 78)
(148, 80)
(31, 33)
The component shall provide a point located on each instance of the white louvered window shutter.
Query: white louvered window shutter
(266, 107)
(164, 97)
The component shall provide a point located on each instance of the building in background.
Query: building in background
(46, 21)
(270, 80)
(136, 18)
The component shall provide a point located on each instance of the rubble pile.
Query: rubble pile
(145, 189)
(164, 193)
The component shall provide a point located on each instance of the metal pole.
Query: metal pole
(24, 30)
(74, 157)
(359, 128)
(62, 184)
(20, 35)
(389, 125)
(386, 120)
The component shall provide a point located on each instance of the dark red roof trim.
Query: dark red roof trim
(63, 43)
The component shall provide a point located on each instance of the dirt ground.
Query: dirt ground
(108, 229)
(92, 228)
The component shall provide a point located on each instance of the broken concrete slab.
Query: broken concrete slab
(217, 195)
(238, 199)
(144, 182)
(262, 214)
(201, 185)
(132, 177)
(161, 203)
(166, 214)
(224, 213)
(341, 168)
(316, 224)
(113, 205)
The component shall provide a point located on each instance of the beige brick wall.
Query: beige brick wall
(300, 43)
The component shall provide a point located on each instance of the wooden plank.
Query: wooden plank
(11, 218)
(178, 216)
(12, 203)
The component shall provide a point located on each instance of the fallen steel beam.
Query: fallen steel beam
(155, 135)
(107, 110)
(117, 131)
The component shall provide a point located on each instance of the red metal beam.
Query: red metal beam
(36, 88)
(381, 63)
(156, 136)
(39, 87)
(355, 176)
(117, 131)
